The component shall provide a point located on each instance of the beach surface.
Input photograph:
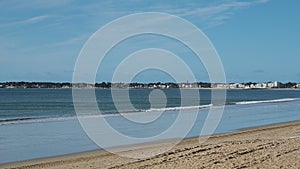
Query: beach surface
(273, 146)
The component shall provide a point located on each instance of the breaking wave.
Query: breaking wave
(22, 120)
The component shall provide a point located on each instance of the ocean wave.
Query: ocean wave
(34, 120)
(66, 118)
(268, 101)
(177, 108)
(23, 120)
(15, 119)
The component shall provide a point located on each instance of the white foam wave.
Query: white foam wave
(268, 101)
(152, 110)
(36, 120)
(57, 119)
(178, 108)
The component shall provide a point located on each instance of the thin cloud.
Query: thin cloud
(222, 7)
(32, 20)
(217, 14)
(67, 42)
(210, 15)
(262, 1)
(34, 4)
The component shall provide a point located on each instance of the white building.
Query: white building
(221, 86)
(273, 84)
(252, 86)
(241, 85)
(258, 85)
(162, 86)
(185, 85)
(276, 84)
(234, 86)
(261, 85)
(264, 85)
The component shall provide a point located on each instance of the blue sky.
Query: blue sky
(257, 40)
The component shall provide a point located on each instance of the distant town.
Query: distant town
(195, 85)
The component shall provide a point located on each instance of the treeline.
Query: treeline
(135, 85)
(287, 85)
(101, 85)
(34, 85)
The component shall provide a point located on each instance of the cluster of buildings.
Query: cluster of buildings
(250, 85)
(195, 85)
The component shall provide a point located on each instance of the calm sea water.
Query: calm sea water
(19, 105)
(38, 123)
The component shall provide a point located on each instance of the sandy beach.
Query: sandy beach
(274, 146)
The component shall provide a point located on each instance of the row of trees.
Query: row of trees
(34, 85)
(97, 85)
(118, 85)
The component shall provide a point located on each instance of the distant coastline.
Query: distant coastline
(157, 85)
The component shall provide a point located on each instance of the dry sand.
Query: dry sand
(276, 146)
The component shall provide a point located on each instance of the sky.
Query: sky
(257, 40)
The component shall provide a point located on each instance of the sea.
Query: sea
(38, 123)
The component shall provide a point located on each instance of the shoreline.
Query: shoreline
(68, 160)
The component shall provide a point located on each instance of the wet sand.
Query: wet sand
(274, 146)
